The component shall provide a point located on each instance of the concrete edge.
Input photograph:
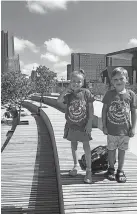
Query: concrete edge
(34, 109)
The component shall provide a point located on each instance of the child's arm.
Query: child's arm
(88, 127)
(133, 121)
(104, 118)
(62, 95)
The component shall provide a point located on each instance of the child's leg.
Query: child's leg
(120, 176)
(122, 146)
(111, 158)
(112, 145)
(74, 146)
(87, 151)
(121, 158)
(111, 161)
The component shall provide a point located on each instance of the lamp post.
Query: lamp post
(62, 79)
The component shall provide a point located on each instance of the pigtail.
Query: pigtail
(83, 73)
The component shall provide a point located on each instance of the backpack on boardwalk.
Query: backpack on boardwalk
(99, 159)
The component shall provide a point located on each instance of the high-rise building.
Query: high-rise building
(127, 59)
(69, 70)
(92, 64)
(14, 63)
(113, 62)
(9, 60)
(33, 75)
(4, 51)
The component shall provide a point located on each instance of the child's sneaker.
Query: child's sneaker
(88, 177)
(74, 171)
(110, 174)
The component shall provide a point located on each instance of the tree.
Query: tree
(44, 81)
(15, 88)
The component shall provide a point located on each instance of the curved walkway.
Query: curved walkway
(101, 197)
(29, 177)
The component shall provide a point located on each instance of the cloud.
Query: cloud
(35, 7)
(21, 44)
(61, 69)
(26, 69)
(50, 57)
(21, 64)
(57, 47)
(61, 65)
(132, 43)
(62, 75)
(43, 6)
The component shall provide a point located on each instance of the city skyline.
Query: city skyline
(46, 33)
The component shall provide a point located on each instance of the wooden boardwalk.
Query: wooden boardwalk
(103, 196)
(17, 167)
(29, 179)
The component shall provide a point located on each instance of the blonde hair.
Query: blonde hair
(79, 72)
(119, 70)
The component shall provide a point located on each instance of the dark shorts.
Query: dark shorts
(76, 135)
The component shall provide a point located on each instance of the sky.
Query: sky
(47, 32)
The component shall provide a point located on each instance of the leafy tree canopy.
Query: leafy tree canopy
(45, 79)
(15, 87)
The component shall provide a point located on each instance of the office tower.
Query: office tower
(92, 64)
(69, 70)
(4, 51)
(9, 60)
(33, 75)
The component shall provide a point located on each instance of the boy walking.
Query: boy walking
(117, 125)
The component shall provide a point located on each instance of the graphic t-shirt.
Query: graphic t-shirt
(118, 112)
(77, 112)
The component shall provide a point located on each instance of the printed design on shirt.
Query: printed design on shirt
(77, 111)
(118, 112)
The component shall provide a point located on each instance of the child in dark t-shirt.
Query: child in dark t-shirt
(79, 112)
(117, 125)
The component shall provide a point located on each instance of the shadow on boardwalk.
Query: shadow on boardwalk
(44, 191)
(11, 209)
(69, 180)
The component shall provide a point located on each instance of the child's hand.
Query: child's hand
(68, 90)
(88, 128)
(131, 132)
(105, 131)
